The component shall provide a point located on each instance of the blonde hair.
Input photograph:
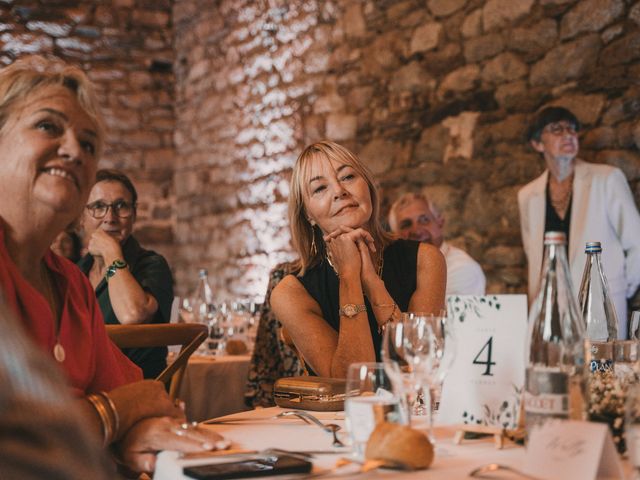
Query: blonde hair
(302, 232)
(33, 72)
(406, 199)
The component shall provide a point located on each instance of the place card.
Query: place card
(572, 450)
(484, 385)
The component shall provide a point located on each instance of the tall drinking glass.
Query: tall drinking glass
(370, 399)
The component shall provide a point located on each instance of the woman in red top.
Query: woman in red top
(50, 139)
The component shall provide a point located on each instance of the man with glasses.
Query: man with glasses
(588, 202)
(133, 285)
(414, 217)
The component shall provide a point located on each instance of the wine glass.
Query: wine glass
(400, 369)
(426, 337)
(185, 310)
(370, 399)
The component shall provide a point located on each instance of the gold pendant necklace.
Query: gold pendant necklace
(58, 350)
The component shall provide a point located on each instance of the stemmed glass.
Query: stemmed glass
(440, 358)
(371, 398)
(185, 310)
(400, 370)
(417, 343)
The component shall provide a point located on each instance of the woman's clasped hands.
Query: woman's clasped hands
(350, 251)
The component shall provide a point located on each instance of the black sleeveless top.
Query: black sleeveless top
(399, 273)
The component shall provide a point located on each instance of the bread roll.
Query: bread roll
(398, 444)
(236, 347)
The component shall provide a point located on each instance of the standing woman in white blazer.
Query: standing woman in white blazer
(589, 202)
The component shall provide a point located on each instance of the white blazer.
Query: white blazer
(603, 210)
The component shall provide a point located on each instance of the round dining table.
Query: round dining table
(214, 386)
(260, 430)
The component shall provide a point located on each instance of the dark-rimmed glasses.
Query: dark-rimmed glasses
(120, 209)
(558, 129)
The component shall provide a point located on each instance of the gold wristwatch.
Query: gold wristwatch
(351, 309)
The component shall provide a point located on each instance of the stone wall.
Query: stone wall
(208, 103)
(126, 48)
(434, 95)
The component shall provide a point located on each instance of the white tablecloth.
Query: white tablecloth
(214, 386)
(259, 429)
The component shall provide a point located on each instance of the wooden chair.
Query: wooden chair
(188, 335)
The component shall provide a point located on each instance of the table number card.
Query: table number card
(571, 450)
(484, 385)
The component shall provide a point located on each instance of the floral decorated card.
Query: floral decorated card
(484, 384)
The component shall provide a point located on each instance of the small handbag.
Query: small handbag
(310, 393)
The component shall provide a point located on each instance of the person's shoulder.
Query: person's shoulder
(287, 288)
(461, 258)
(430, 253)
(598, 169)
(144, 258)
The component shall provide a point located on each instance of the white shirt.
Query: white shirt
(464, 274)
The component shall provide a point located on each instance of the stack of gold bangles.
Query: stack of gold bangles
(108, 415)
(391, 318)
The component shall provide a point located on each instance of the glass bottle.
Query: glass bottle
(611, 362)
(555, 351)
(204, 308)
(203, 296)
(597, 307)
(598, 311)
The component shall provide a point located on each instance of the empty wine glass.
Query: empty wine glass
(185, 310)
(426, 337)
(402, 372)
(371, 398)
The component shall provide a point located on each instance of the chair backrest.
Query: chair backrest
(188, 335)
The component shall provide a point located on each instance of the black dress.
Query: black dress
(398, 273)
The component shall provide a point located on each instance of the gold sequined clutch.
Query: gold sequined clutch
(310, 393)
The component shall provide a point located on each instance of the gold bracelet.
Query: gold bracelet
(390, 319)
(105, 419)
(114, 414)
(384, 305)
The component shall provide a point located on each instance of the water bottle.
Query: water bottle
(598, 311)
(203, 296)
(555, 351)
(204, 308)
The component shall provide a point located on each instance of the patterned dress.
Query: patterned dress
(272, 357)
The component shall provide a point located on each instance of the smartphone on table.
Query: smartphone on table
(254, 467)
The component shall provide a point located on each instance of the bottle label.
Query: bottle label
(547, 404)
(601, 365)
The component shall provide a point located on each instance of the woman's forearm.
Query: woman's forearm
(354, 339)
(384, 306)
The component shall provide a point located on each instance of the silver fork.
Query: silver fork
(331, 428)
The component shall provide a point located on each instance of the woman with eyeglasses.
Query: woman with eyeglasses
(133, 285)
(587, 201)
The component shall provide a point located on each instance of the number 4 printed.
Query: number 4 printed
(488, 362)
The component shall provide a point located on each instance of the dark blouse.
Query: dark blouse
(399, 273)
(152, 272)
(552, 221)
